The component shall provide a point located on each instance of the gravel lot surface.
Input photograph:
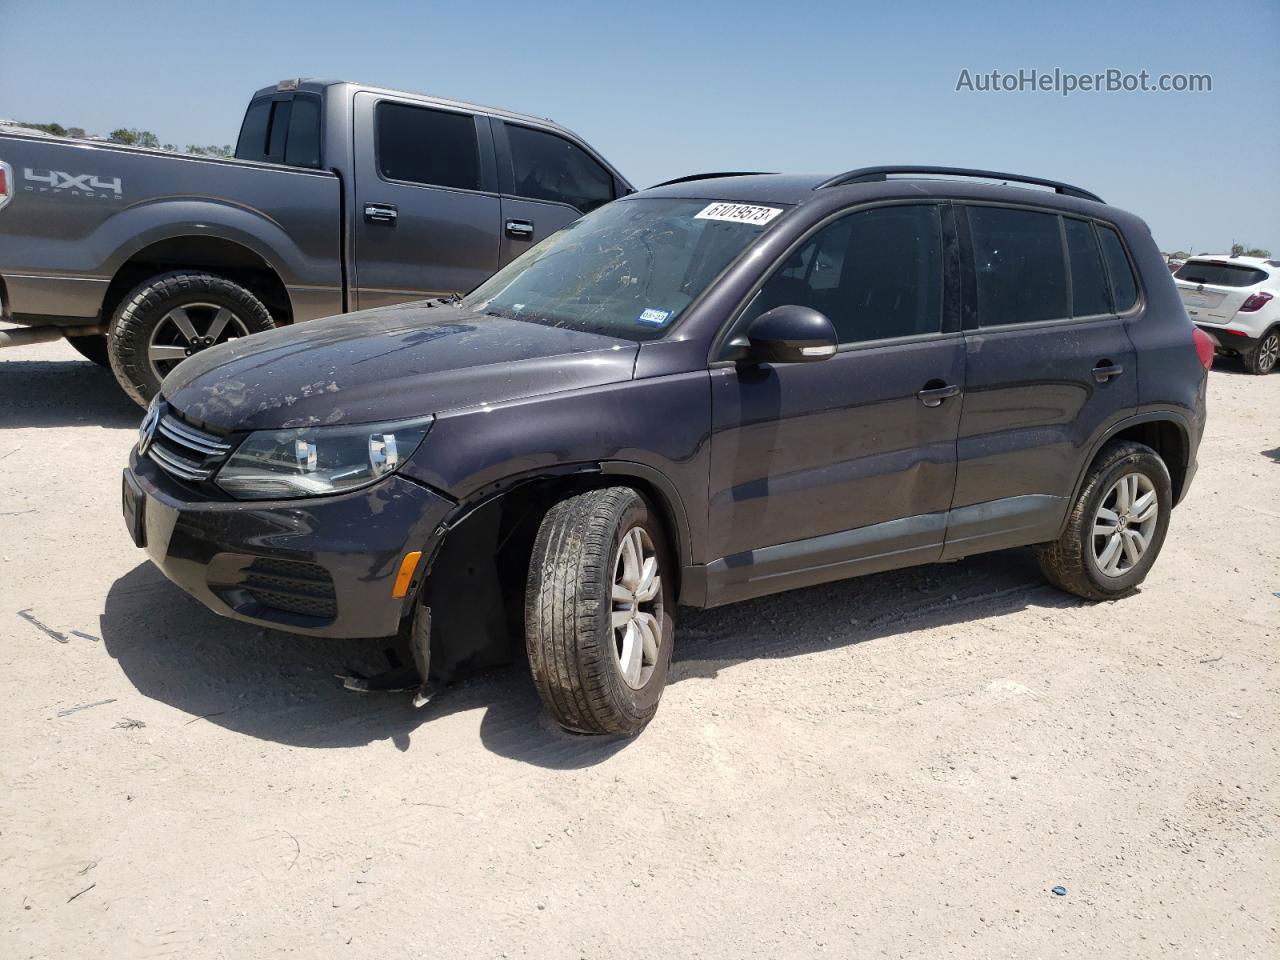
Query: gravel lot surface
(900, 766)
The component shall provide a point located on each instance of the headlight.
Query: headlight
(313, 461)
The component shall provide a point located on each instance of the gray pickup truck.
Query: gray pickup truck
(340, 197)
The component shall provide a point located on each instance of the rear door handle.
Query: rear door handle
(1105, 370)
(380, 212)
(520, 229)
(933, 396)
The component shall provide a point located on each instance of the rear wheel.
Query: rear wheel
(1262, 356)
(598, 612)
(169, 318)
(92, 348)
(1117, 527)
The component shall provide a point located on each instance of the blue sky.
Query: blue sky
(664, 89)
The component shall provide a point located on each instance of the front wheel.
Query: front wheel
(598, 612)
(169, 318)
(1262, 357)
(1116, 528)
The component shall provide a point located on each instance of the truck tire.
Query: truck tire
(166, 319)
(1262, 356)
(1116, 528)
(92, 348)
(598, 612)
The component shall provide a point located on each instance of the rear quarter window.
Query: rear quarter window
(1124, 285)
(1220, 274)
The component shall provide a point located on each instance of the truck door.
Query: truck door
(547, 181)
(427, 212)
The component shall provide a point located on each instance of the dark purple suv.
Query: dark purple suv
(718, 388)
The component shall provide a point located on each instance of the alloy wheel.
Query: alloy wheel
(1269, 352)
(1124, 524)
(187, 330)
(636, 608)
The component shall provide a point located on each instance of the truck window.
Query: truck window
(303, 146)
(548, 167)
(427, 146)
(281, 129)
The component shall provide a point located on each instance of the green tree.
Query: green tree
(134, 138)
(211, 150)
(57, 129)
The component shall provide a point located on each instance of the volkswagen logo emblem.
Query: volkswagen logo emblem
(147, 430)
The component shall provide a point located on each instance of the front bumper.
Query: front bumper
(325, 566)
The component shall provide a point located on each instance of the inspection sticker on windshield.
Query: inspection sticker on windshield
(738, 213)
(656, 317)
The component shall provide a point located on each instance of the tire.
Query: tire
(92, 348)
(145, 325)
(1075, 561)
(575, 653)
(1261, 357)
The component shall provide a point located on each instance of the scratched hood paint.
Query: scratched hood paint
(387, 364)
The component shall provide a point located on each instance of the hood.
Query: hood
(387, 364)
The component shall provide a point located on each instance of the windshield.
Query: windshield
(626, 270)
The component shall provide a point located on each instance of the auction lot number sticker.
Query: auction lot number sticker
(737, 213)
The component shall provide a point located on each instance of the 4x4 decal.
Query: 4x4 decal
(83, 185)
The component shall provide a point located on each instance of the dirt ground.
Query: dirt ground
(900, 766)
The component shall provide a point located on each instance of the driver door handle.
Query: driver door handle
(520, 229)
(932, 396)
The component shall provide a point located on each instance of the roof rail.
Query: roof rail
(877, 174)
(712, 176)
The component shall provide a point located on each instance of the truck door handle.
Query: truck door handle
(520, 229)
(932, 396)
(1105, 370)
(380, 212)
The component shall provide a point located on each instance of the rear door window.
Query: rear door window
(548, 167)
(1124, 285)
(1219, 274)
(420, 145)
(1019, 264)
(1089, 294)
(876, 274)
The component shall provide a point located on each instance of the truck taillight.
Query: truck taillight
(1256, 301)
(6, 183)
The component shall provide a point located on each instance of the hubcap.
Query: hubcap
(1269, 352)
(187, 330)
(636, 608)
(1124, 524)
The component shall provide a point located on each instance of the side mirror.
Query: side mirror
(787, 334)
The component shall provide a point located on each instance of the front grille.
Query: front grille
(294, 586)
(185, 452)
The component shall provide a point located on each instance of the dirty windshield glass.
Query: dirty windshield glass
(627, 270)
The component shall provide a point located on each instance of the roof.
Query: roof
(798, 189)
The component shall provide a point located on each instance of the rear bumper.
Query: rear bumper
(324, 567)
(1227, 340)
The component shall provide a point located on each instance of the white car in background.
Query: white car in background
(1236, 301)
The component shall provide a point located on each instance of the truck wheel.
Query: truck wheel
(1261, 358)
(1117, 527)
(168, 318)
(92, 348)
(598, 612)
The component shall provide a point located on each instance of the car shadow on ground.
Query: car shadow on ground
(61, 393)
(283, 688)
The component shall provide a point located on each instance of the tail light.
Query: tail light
(6, 183)
(1204, 346)
(1256, 301)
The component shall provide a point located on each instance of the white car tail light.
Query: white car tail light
(1256, 301)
